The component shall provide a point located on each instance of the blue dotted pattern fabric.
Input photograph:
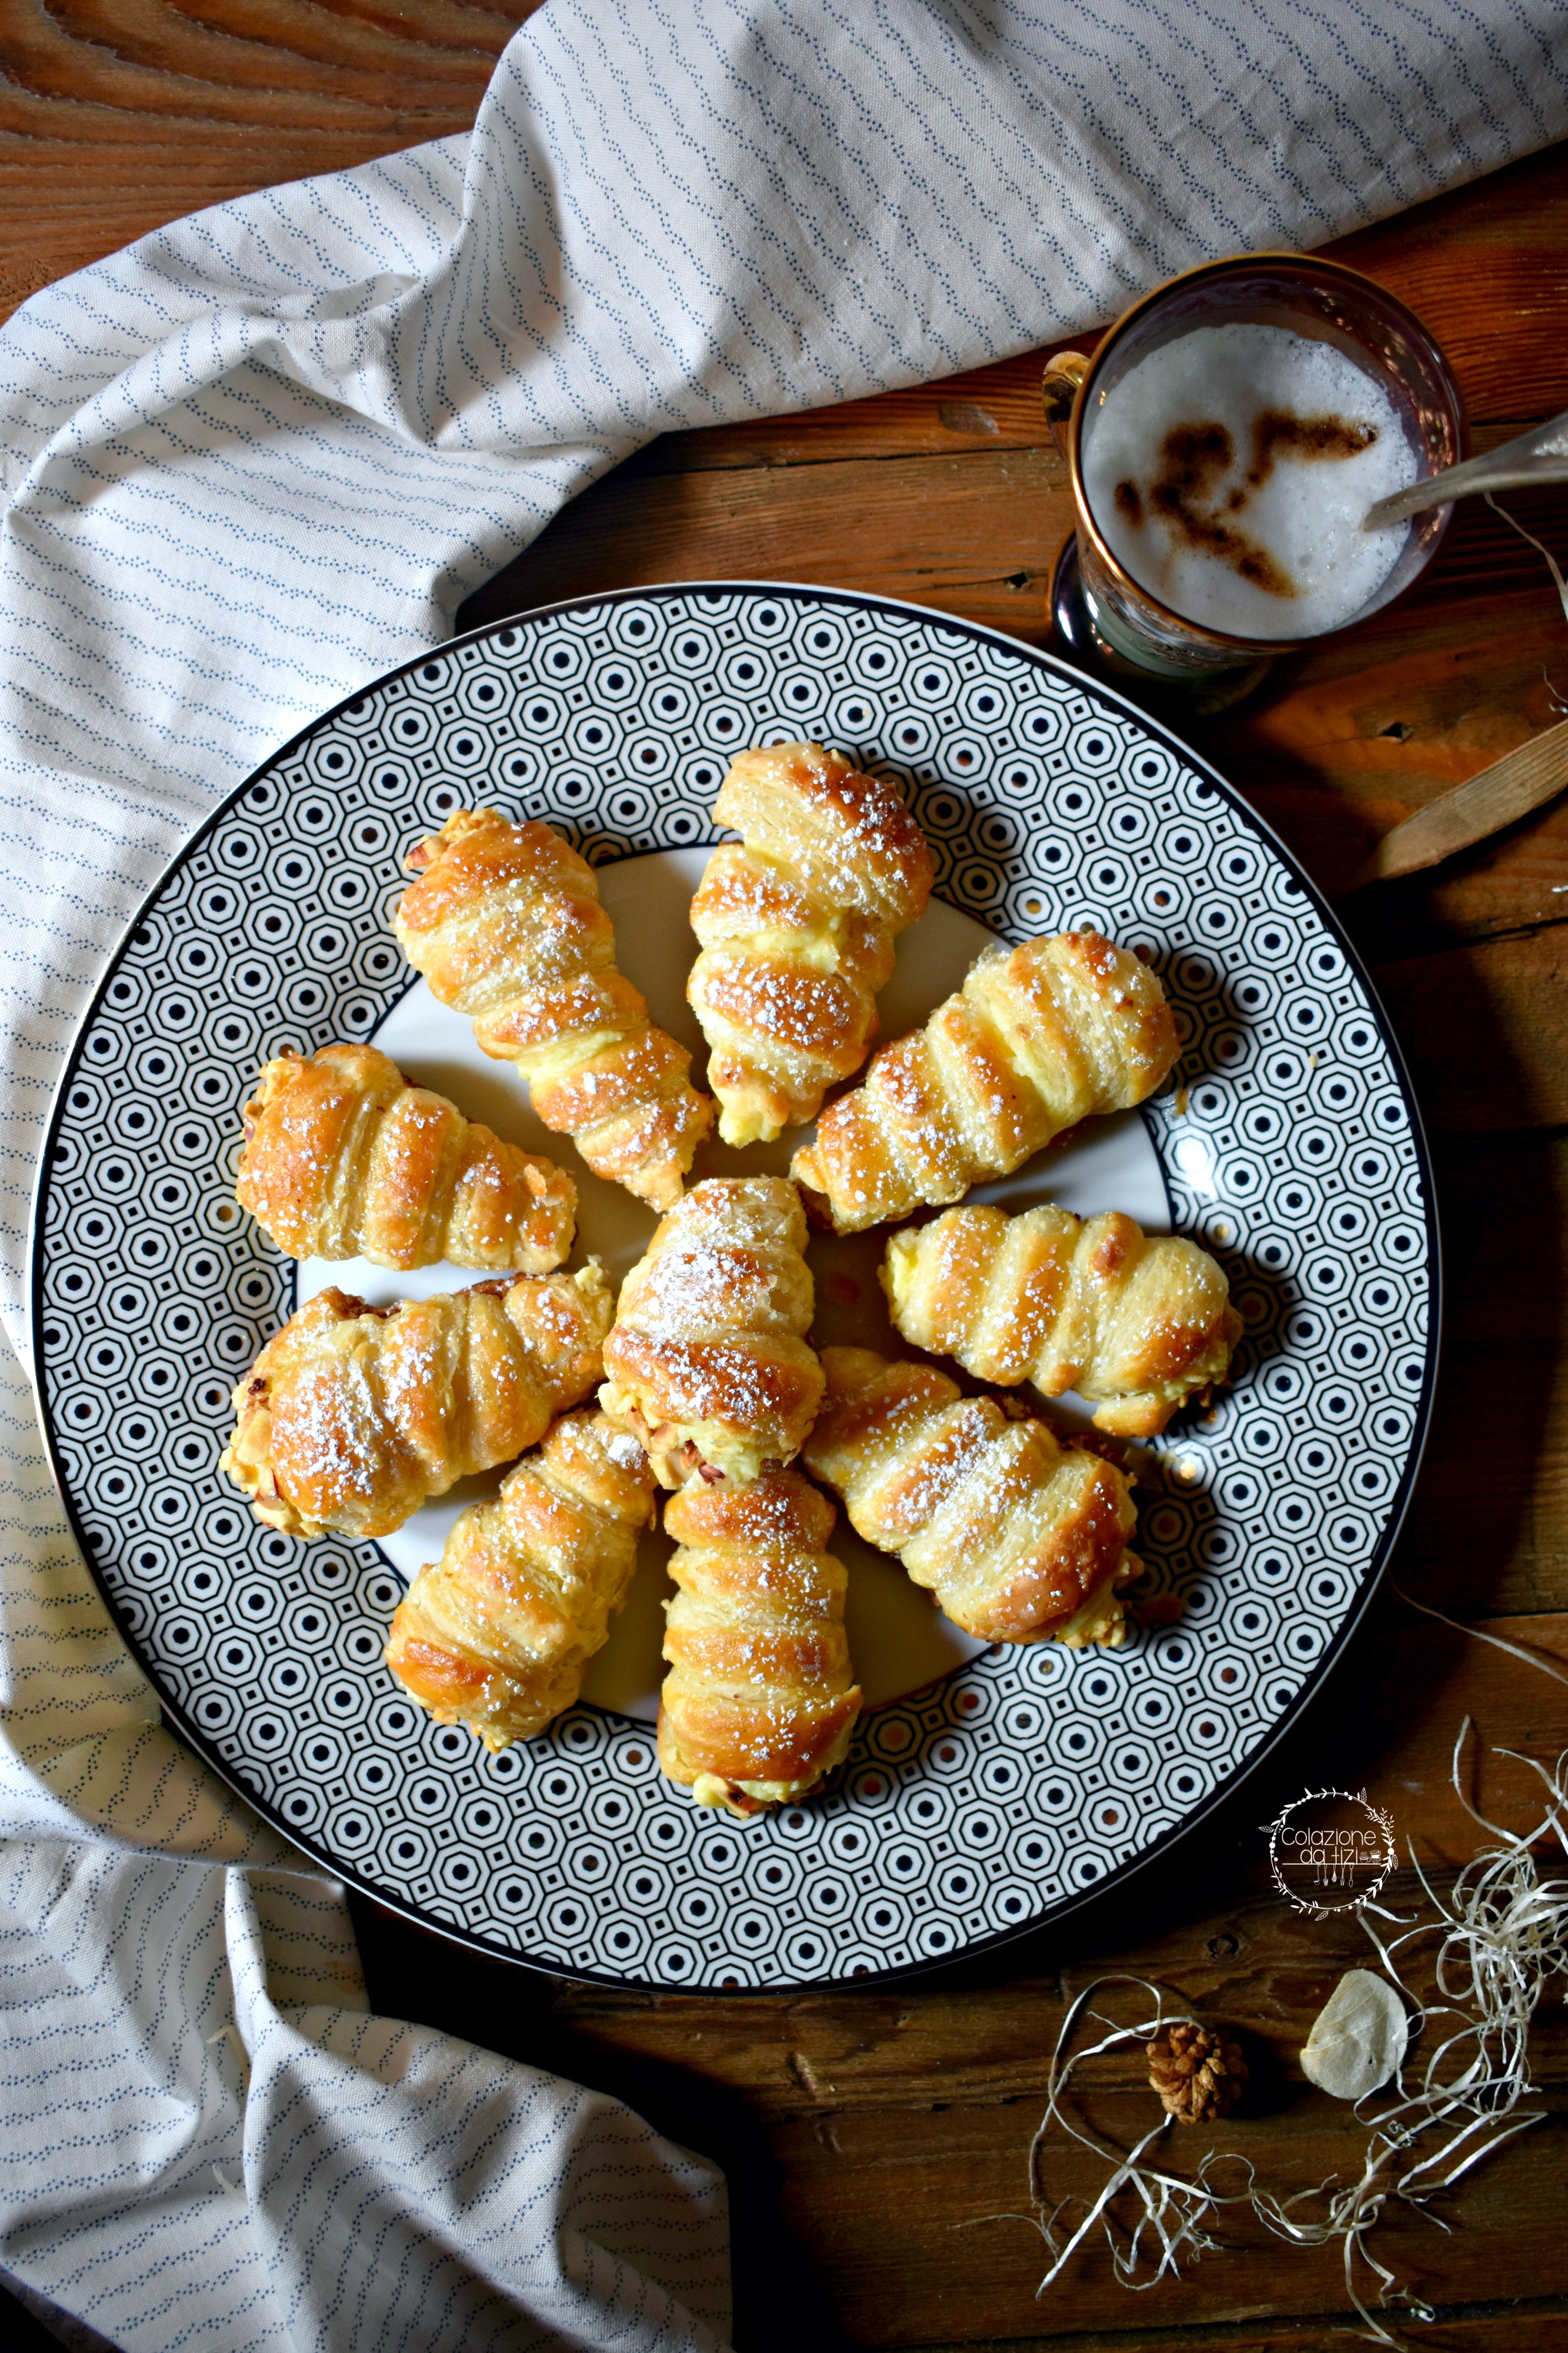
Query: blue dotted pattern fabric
(256, 460)
(206, 2139)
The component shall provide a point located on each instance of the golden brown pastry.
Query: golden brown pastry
(758, 1705)
(707, 1363)
(496, 1634)
(504, 922)
(352, 1417)
(1100, 1307)
(797, 922)
(1038, 1038)
(1022, 1539)
(344, 1158)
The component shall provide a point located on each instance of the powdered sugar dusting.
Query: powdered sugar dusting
(707, 1349)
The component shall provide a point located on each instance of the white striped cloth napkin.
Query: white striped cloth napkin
(250, 463)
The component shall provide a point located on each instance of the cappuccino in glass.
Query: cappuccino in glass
(1229, 472)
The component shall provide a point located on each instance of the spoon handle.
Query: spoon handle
(1539, 456)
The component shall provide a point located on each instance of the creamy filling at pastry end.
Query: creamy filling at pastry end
(681, 1448)
(1102, 1617)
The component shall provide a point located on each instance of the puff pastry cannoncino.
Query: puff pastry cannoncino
(796, 924)
(1135, 1325)
(1038, 1038)
(344, 1158)
(504, 922)
(1021, 1538)
(352, 1417)
(758, 1704)
(496, 1634)
(707, 1363)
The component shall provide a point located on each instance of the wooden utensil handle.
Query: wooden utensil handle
(1522, 780)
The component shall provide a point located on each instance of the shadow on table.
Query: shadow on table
(413, 1974)
(1467, 1548)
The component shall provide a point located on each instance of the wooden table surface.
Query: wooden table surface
(863, 2132)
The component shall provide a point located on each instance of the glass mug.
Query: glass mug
(1111, 624)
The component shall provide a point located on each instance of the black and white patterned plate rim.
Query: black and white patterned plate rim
(910, 1746)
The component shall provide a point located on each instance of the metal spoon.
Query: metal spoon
(1539, 456)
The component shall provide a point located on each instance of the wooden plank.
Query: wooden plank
(1496, 797)
(1539, 2323)
(980, 2033)
(995, 407)
(46, 59)
(1485, 1030)
(883, 2115)
(1519, 879)
(1485, 266)
(1263, 1969)
(1488, 1524)
(906, 2221)
(119, 115)
(240, 54)
(1348, 741)
(974, 534)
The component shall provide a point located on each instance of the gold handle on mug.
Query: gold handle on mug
(1058, 390)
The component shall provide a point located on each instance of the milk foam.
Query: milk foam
(1303, 518)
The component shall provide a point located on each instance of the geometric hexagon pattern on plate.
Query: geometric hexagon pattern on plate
(1027, 1777)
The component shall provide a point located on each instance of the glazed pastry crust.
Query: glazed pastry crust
(344, 1158)
(1136, 1326)
(504, 922)
(707, 1363)
(497, 1634)
(1040, 1037)
(758, 1704)
(796, 925)
(353, 1417)
(1021, 1538)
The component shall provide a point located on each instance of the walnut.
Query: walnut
(1198, 2073)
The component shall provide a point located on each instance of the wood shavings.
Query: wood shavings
(1175, 2210)
(1501, 1944)
(1551, 564)
(1502, 1937)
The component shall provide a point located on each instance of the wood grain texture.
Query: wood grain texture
(1537, 2323)
(899, 2113)
(931, 2248)
(973, 533)
(1488, 1522)
(1485, 1028)
(119, 115)
(1500, 794)
(1345, 743)
(886, 2116)
(857, 2129)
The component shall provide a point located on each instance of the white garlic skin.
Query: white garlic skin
(1358, 2038)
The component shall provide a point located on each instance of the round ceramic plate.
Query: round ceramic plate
(986, 1790)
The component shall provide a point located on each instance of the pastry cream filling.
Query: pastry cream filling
(821, 950)
(713, 1790)
(741, 1128)
(563, 1055)
(1102, 1617)
(714, 1442)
